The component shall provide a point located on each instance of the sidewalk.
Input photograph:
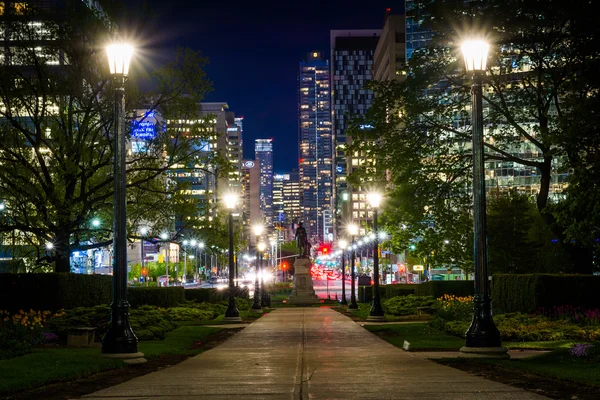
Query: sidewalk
(316, 353)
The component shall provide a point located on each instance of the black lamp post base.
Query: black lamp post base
(265, 301)
(482, 332)
(232, 319)
(344, 302)
(232, 310)
(120, 339)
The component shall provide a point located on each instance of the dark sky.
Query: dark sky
(254, 48)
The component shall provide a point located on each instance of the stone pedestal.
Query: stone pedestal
(303, 292)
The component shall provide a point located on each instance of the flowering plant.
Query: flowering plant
(20, 331)
(589, 351)
(455, 308)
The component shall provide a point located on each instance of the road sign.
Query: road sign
(418, 268)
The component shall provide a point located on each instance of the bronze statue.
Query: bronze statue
(302, 241)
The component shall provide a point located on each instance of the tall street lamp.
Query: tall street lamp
(120, 339)
(258, 230)
(376, 313)
(343, 244)
(261, 247)
(185, 244)
(353, 231)
(482, 338)
(164, 236)
(143, 232)
(232, 313)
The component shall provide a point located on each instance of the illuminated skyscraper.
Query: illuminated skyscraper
(263, 149)
(316, 145)
(352, 54)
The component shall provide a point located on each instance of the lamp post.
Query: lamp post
(164, 236)
(232, 313)
(343, 244)
(482, 337)
(185, 243)
(120, 339)
(261, 247)
(353, 231)
(143, 232)
(256, 307)
(376, 313)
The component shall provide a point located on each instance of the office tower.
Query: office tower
(416, 35)
(286, 198)
(314, 137)
(352, 53)
(263, 149)
(234, 152)
(390, 53)
(250, 194)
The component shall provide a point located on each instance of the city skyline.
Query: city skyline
(265, 97)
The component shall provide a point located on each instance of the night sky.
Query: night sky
(254, 48)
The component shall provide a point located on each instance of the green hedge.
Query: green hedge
(53, 291)
(440, 288)
(527, 293)
(155, 296)
(212, 295)
(365, 293)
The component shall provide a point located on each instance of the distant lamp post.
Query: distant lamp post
(164, 236)
(143, 233)
(185, 243)
(261, 247)
(482, 338)
(343, 244)
(256, 307)
(353, 231)
(376, 313)
(232, 313)
(119, 338)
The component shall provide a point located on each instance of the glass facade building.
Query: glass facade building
(263, 150)
(315, 140)
(352, 55)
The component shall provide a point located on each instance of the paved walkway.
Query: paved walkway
(309, 353)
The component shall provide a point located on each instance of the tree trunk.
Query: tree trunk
(62, 251)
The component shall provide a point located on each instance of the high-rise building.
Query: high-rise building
(390, 53)
(417, 36)
(234, 152)
(263, 153)
(250, 194)
(352, 55)
(314, 137)
(286, 198)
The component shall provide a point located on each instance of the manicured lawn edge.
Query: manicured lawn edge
(50, 365)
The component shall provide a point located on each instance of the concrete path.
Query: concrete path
(309, 353)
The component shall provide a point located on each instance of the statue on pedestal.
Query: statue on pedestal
(302, 242)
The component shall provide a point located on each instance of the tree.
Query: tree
(56, 148)
(421, 132)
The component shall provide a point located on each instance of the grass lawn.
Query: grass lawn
(46, 365)
(557, 364)
(420, 336)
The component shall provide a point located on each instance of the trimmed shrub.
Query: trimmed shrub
(527, 293)
(365, 293)
(53, 291)
(407, 305)
(209, 295)
(439, 288)
(398, 290)
(160, 297)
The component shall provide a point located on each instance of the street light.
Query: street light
(164, 236)
(343, 244)
(353, 231)
(143, 233)
(119, 338)
(482, 337)
(260, 247)
(256, 307)
(185, 243)
(96, 222)
(232, 313)
(376, 313)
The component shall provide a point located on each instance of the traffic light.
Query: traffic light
(325, 248)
